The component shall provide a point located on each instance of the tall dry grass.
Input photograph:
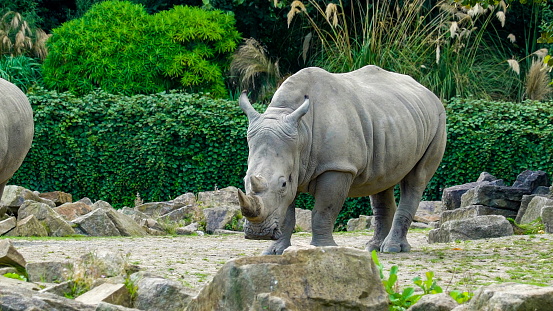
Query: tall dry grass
(18, 38)
(254, 70)
(447, 47)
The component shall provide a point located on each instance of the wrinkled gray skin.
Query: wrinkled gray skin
(16, 130)
(357, 134)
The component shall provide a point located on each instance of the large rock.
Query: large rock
(547, 218)
(531, 180)
(473, 211)
(303, 220)
(534, 209)
(111, 293)
(479, 227)
(494, 196)
(17, 298)
(156, 293)
(186, 199)
(189, 213)
(57, 197)
(360, 224)
(9, 256)
(429, 211)
(322, 278)
(222, 197)
(125, 224)
(434, 302)
(102, 263)
(15, 196)
(510, 297)
(49, 271)
(96, 223)
(219, 217)
(7, 224)
(156, 209)
(55, 224)
(29, 226)
(70, 211)
(451, 197)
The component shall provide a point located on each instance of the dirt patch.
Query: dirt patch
(194, 260)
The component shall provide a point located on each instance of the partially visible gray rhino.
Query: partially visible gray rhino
(16, 130)
(357, 134)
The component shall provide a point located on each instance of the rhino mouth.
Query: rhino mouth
(265, 230)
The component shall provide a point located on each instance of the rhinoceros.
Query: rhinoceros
(16, 130)
(336, 136)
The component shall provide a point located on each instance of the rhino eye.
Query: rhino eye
(283, 184)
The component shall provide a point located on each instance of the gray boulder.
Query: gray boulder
(294, 281)
(451, 197)
(360, 224)
(494, 196)
(96, 223)
(15, 196)
(479, 227)
(125, 224)
(534, 209)
(186, 199)
(435, 302)
(102, 263)
(429, 211)
(303, 220)
(189, 213)
(187, 230)
(510, 297)
(156, 209)
(531, 180)
(29, 226)
(156, 293)
(473, 211)
(18, 298)
(219, 217)
(222, 197)
(49, 271)
(54, 223)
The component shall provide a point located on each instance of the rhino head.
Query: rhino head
(273, 167)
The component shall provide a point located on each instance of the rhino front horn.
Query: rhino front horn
(249, 205)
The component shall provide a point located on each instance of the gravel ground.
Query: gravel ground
(194, 260)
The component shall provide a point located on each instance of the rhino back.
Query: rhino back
(16, 128)
(370, 122)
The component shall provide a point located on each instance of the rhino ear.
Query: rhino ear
(300, 112)
(247, 107)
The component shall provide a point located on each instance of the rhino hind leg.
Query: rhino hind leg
(278, 246)
(383, 205)
(411, 188)
(331, 190)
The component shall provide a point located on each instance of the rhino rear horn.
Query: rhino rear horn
(247, 107)
(300, 112)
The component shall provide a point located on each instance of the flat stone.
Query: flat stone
(473, 211)
(479, 227)
(534, 209)
(96, 223)
(107, 292)
(9, 256)
(223, 197)
(7, 224)
(494, 196)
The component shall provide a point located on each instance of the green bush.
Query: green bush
(120, 48)
(112, 147)
(501, 138)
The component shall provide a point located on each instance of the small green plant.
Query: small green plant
(536, 226)
(236, 223)
(16, 276)
(461, 297)
(131, 286)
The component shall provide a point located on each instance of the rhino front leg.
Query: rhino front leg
(331, 190)
(278, 247)
(383, 205)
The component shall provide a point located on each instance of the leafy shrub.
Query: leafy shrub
(117, 46)
(501, 138)
(22, 71)
(111, 146)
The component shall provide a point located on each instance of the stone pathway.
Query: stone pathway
(194, 260)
